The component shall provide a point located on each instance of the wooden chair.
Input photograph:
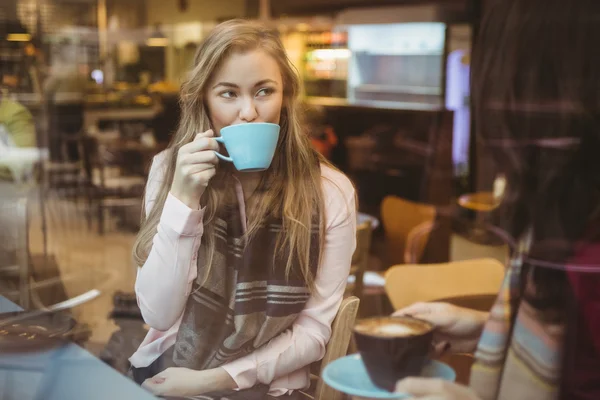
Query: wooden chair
(409, 242)
(20, 282)
(341, 333)
(14, 248)
(407, 226)
(360, 259)
(111, 186)
(408, 284)
(63, 171)
(363, 283)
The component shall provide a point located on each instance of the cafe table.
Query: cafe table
(67, 372)
(481, 204)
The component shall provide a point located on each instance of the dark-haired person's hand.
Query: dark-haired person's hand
(457, 329)
(196, 162)
(435, 389)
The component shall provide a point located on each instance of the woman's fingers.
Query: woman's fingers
(201, 144)
(201, 157)
(195, 171)
(413, 310)
(195, 166)
(208, 133)
(151, 383)
(202, 141)
(429, 389)
(440, 348)
(433, 397)
(442, 315)
(420, 387)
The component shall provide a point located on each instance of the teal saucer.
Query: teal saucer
(349, 375)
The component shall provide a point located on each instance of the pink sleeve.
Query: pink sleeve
(164, 281)
(305, 342)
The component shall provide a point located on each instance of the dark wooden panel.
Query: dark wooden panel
(307, 7)
(252, 9)
(412, 159)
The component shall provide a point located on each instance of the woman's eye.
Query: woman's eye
(264, 92)
(228, 94)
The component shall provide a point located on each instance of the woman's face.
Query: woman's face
(247, 88)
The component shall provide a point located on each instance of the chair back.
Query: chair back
(416, 242)
(360, 258)
(66, 122)
(106, 161)
(408, 284)
(341, 333)
(399, 218)
(14, 246)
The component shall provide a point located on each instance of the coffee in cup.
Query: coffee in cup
(251, 146)
(393, 348)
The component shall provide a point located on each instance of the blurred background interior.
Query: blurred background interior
(89, 94)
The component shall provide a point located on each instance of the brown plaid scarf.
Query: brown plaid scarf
(247, 300)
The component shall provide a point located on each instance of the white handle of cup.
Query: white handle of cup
(221, 156)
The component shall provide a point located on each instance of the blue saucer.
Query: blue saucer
(349, 375)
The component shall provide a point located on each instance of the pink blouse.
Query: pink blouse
(164, 283)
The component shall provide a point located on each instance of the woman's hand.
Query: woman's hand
(458, 329)
(195, 167)
(181, 382)
(435, 389)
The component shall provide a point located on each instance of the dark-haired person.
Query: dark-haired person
(536, 93)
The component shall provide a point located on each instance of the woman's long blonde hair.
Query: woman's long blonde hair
(290, 189)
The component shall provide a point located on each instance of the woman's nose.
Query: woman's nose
(248, 111)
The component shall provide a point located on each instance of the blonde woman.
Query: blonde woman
(241, 273)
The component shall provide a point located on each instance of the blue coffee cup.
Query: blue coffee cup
(250, 146)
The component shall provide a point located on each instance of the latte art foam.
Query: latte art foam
(395, 330)
(392, 327)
